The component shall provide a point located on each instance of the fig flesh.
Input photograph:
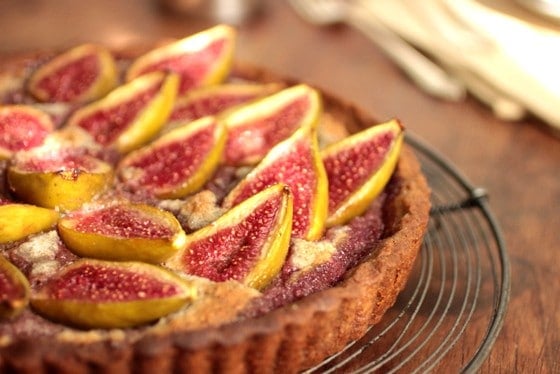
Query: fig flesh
(255, 128)
(104, 294)
(296, 162)
(249, 243)
(201, 59)
(22, 128)
(213, 100)
(18, 221)
(58, 178)
(358, 168)
(82, 74)
(122, 232)
(14, 290)
(178, 163)
(132, 114)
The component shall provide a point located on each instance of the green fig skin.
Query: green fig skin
(94, 244)
(121, 311)
(14, 290)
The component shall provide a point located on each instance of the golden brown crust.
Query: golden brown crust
(285, 340)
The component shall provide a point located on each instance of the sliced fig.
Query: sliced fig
(104, 294)
(132, 114)
(255, 128)
(22, 128)
(18, 221)
(59, 178)
(296, 162)
(359, 167)
(212, 100)
(201, 59)
(249, 243)
(122, 232)
(178, 163)
(14, 290)
(84, 73)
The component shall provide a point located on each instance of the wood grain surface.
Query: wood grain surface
(516, 162)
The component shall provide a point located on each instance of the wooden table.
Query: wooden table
(516, 162)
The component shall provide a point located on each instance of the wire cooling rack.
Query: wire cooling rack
(454, 304)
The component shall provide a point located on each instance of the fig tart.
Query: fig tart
(172, 210)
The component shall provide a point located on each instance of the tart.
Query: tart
(185, 212)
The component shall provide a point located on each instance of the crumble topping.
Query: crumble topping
(40, 251)
(310, 254)
(225, 299)
(196, 211)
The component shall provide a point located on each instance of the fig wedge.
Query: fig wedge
(200, 59)
(213, 100)
(249, 243)
(22, 127)
(296, 162)
(122, 232)
(18, 221)
(61, 179)
(132, 114)
(255, 128)
(84, 73)
(14, 290)
(359, 167)
(178, 163)
(104, 294)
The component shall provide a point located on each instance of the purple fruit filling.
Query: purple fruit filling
(122, 222)
(231, 253)
(254, 139)
(191, 67)
(172, 164)
(353, 166)
(364, 233)
(107, 124)
(297, 170)
(71, 80)
(100, 283)
(21, 131)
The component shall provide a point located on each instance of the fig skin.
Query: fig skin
(148, 122)
(108, 314)
(18, 221)
(105, 80)
(116, 248)
(62, 189)
(190, 45)
(131, 175)
(42, 119)
(10, 308)
(273, 252)
(358, 200)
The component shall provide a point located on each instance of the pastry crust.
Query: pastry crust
(285, 340)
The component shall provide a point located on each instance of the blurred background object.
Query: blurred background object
(505, 60)
(548, 8)
(233, 12)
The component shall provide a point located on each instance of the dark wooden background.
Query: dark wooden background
(516, 162)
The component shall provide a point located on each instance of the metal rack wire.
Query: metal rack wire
(458, 291)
